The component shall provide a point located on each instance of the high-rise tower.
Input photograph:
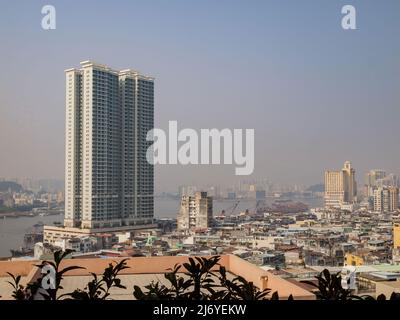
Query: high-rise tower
(340, 186)
(108, 181)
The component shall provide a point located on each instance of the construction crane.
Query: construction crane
(233, 207)
(258, 203)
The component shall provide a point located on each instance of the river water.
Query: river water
(12, 230)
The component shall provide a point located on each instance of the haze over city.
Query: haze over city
(315, 94)
(187, 153)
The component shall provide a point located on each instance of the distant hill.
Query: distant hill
(6, 185)
(320, 187)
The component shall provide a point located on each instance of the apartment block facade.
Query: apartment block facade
(386, 199)
(195, 212)
(108, 181)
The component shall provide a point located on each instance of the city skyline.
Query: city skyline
(361, 179)
(341, 86)
(200, 151)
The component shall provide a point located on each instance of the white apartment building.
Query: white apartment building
(108, 181)
(386, 199)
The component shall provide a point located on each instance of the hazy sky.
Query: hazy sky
(315, 94)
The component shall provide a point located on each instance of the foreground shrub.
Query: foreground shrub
(330, 288)
(201, 283)
(198, 279)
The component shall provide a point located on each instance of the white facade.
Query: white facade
(386, 199)
(108, 181)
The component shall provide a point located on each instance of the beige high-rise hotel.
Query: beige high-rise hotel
(340, 187)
